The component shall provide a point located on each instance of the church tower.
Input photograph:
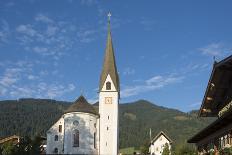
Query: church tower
(109, 94)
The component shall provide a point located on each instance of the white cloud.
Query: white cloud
(148, 24)
(26, 29)
(52, 38)
(156, 82)
(4, 31)
(215, 49)
(32, 77)
(43, 18)
(195, 105)
(128, 71)
(86, 35)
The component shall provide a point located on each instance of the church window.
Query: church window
(94, 140)
(108, 85)
(56, 150)
(76, 123)
(56, 137)
(60, 128)
(108, 117)
(76, 138)
(107, 128)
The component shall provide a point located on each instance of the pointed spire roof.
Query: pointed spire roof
(81, 105)
(109, 65)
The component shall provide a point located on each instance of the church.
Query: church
(84, 130)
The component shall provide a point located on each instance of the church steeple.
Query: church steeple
(109, 65)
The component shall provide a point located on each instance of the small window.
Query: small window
(75, 123)
(56, 137)
(108, 117)
(60, 128)
(108, 86)
(107, 128)
(94, 140)
(56, 150)
(106, 143)
(95, 125)
(76, 138)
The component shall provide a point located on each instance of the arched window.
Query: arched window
(56, 137)
(56, 150)
(94, 140)
(76, 138)
(108, 85)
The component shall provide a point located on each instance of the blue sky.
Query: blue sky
(164, 49)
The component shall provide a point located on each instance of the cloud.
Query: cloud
(215, 49)
(26, 29)
(10, 76)
(43, 18)
(154, 83)
(46, 37)
(4, 31)
(195, 105)
(19, 79)
(148, 24)
(86, 35)
(128, 71)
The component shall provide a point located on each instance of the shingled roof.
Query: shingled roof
(109, 66)
(81, 105)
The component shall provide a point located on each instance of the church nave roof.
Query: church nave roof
(81, 105)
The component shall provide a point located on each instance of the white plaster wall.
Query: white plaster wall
(86, 133)
(108, 138)
(159, 144)
(51, 143)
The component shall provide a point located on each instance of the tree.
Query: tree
(166, 150)
(184, 149)
(8, 149)
(144, 149)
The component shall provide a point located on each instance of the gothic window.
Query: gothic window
(56, 137)
(76, 138)
(56, 150)
(108, 85)
(60, 128)
(94, 140)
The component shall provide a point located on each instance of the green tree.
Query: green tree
(8, 149)
(184, 149)
(166, 150)
(145, 148)
(36, 145)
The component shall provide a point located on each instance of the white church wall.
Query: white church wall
(87, 126)
(108, 119)
(158, 146)
(51, 133)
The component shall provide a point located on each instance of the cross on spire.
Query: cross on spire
(109, 15)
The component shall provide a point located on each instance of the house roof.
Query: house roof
(159, 134)
(218, 124)
(81, 105)
(11, 138)
(217, 88)
(109, 65)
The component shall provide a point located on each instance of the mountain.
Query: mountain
(35, 116)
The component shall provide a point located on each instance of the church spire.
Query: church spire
(109, 65)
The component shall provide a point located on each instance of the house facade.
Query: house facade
(158, 143)
(217, 102)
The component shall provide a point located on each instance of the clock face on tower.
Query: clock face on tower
(108, 100)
